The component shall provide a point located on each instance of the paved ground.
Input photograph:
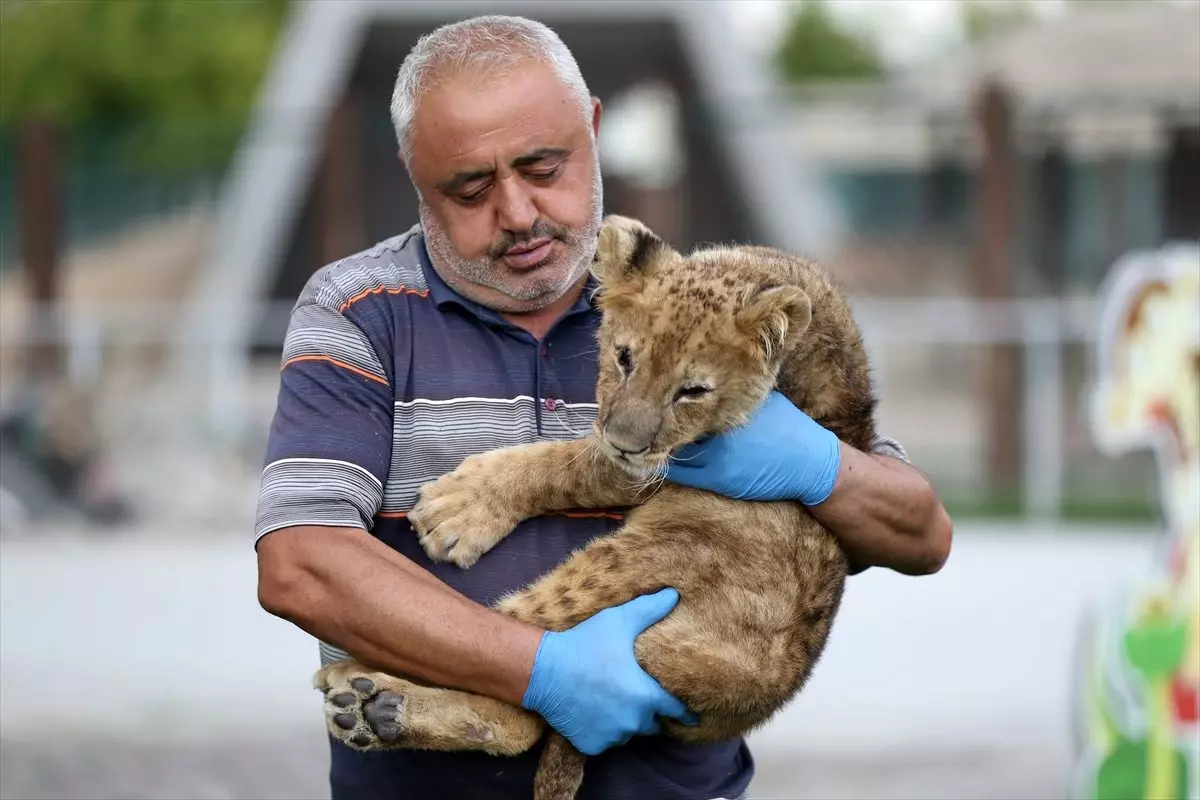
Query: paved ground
(133, 668)
(116, 770)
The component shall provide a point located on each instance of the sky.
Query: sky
(916, 29)
(920, 25)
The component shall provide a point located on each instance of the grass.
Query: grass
(1007, 507)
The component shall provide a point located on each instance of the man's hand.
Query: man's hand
(781, 454)
(587, 684)
(882, 510)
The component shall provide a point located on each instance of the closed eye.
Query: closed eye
(692, 392)
(543, 174)
(473, 197)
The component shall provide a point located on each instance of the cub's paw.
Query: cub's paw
(373, 711)
(360, 709)
(466, 513)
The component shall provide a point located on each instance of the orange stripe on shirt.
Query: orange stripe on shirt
(593, 515)
(378, 289)
(335, 362)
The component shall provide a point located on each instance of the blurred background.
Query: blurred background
(172, 171)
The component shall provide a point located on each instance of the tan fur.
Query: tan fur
(759, 583)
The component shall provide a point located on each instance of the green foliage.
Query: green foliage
(982, 20)
(1108, 5)
(1008, 505)
(817, 47)
(1123, 772)
(173, 79)
(1156, 647)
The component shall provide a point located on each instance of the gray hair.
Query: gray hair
(488, 45)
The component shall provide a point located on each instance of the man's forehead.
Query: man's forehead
(523, 109)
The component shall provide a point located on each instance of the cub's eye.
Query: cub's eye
(624, 359)
(692, 392)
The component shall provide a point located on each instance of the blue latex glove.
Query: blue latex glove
(587, 684)
(781, 454)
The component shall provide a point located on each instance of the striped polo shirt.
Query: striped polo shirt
(389, 380)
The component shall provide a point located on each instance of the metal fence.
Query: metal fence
(913, 231)
(927, 356)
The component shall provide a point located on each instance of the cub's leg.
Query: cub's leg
(459, 517)
(759, 584)
(370, 710)
(733, 650)
(466, 513)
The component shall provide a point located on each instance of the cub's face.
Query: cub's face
(687, 347)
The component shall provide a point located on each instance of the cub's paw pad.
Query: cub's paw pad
(362, 716)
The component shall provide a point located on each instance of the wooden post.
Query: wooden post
(661, 209)
(1053, 217)
(993, 281)
(1113, 176)
(39, 210)
(1181, 184)
(341, 189)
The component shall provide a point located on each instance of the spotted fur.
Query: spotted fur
(705, 337)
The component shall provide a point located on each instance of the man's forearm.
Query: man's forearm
(886, 513)
(345, 587)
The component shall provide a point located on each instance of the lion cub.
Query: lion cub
(690, 345)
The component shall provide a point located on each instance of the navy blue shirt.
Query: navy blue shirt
(389, 380)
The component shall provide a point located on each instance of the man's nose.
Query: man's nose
(514, 207)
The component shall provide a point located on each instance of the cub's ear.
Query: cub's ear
(627, 249)
(776, 316)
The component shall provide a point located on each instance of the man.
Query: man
(474, 331)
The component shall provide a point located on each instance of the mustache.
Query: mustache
(542, 229)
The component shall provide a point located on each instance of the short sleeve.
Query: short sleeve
(887, 446)
(330, 440)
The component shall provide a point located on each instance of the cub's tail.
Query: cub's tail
(560, 770)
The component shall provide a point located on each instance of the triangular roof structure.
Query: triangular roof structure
(1109, 79)
(1119, 54)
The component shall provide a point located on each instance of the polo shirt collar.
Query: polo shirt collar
(443, 296)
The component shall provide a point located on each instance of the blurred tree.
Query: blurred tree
(983, 19)
(176, 77)
(1088, 5)
(817, 47)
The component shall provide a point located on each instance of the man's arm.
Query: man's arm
(328, 458)
(886, 512)
(882, 509)
(342, 585)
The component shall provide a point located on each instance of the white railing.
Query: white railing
(1039, 326)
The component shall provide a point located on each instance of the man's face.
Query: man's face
(509, 182)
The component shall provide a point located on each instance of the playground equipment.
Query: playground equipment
(1137, 682)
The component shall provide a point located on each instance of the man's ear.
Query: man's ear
(625, 251)
(597, 111)
(775, 315)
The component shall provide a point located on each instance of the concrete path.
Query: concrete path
(141, 668)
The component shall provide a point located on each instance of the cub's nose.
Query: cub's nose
(624, 446)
